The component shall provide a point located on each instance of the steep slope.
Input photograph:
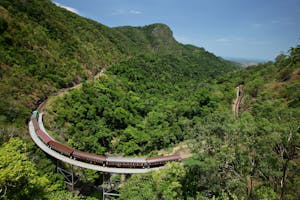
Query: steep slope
(152, 38)
(45, 47)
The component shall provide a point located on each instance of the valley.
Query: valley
(137, 92)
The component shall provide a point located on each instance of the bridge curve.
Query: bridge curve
(78, 163)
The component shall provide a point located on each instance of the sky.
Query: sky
(251, 29)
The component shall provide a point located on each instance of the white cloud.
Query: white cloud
(223, 40)
(135, 12)
(119, 12)
(241, 40)
(67, 8)
(283, 21)
(257, 25)
(126, 12)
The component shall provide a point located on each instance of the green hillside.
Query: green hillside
(44, 47)
(154, 94)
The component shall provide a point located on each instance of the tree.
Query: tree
(63, 195)
(201, 176)
(163, 184)
(139, 187)
(18, 175)
(168, 181)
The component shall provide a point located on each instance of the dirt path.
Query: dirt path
(63, 91)
(237, 101)
(182, 150)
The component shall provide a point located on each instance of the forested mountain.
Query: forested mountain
(154, 94)
(45, 47)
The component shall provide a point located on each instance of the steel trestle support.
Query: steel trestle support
(109, 186)
(69, 176)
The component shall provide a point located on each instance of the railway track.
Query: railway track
(237, 102)
(78, 163)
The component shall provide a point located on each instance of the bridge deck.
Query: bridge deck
(66, 159)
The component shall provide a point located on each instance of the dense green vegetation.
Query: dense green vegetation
(155, 93)
(18, 176)
(254, 156)
(145, 103)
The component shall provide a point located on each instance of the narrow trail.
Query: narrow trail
(63, 91)
(182, 150)
(237, 101)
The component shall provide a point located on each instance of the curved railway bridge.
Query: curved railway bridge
(149, 164)
(78, 163)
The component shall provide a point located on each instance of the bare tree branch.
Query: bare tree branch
(4, 193)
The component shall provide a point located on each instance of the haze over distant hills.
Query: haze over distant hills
(246, 61)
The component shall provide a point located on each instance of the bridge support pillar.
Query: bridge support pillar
(70, 178)
(110, 185)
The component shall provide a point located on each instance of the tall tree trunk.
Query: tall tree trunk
(283, 180)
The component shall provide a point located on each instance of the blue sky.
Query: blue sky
(257, 29)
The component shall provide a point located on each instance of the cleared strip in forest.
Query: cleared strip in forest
(237, 101)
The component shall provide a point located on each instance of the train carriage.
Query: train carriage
(160, 161)
(61, 148)
(89, 157)
(35, 123)
(43, 136)
(126, 162)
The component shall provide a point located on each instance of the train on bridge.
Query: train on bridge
(109, 161)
